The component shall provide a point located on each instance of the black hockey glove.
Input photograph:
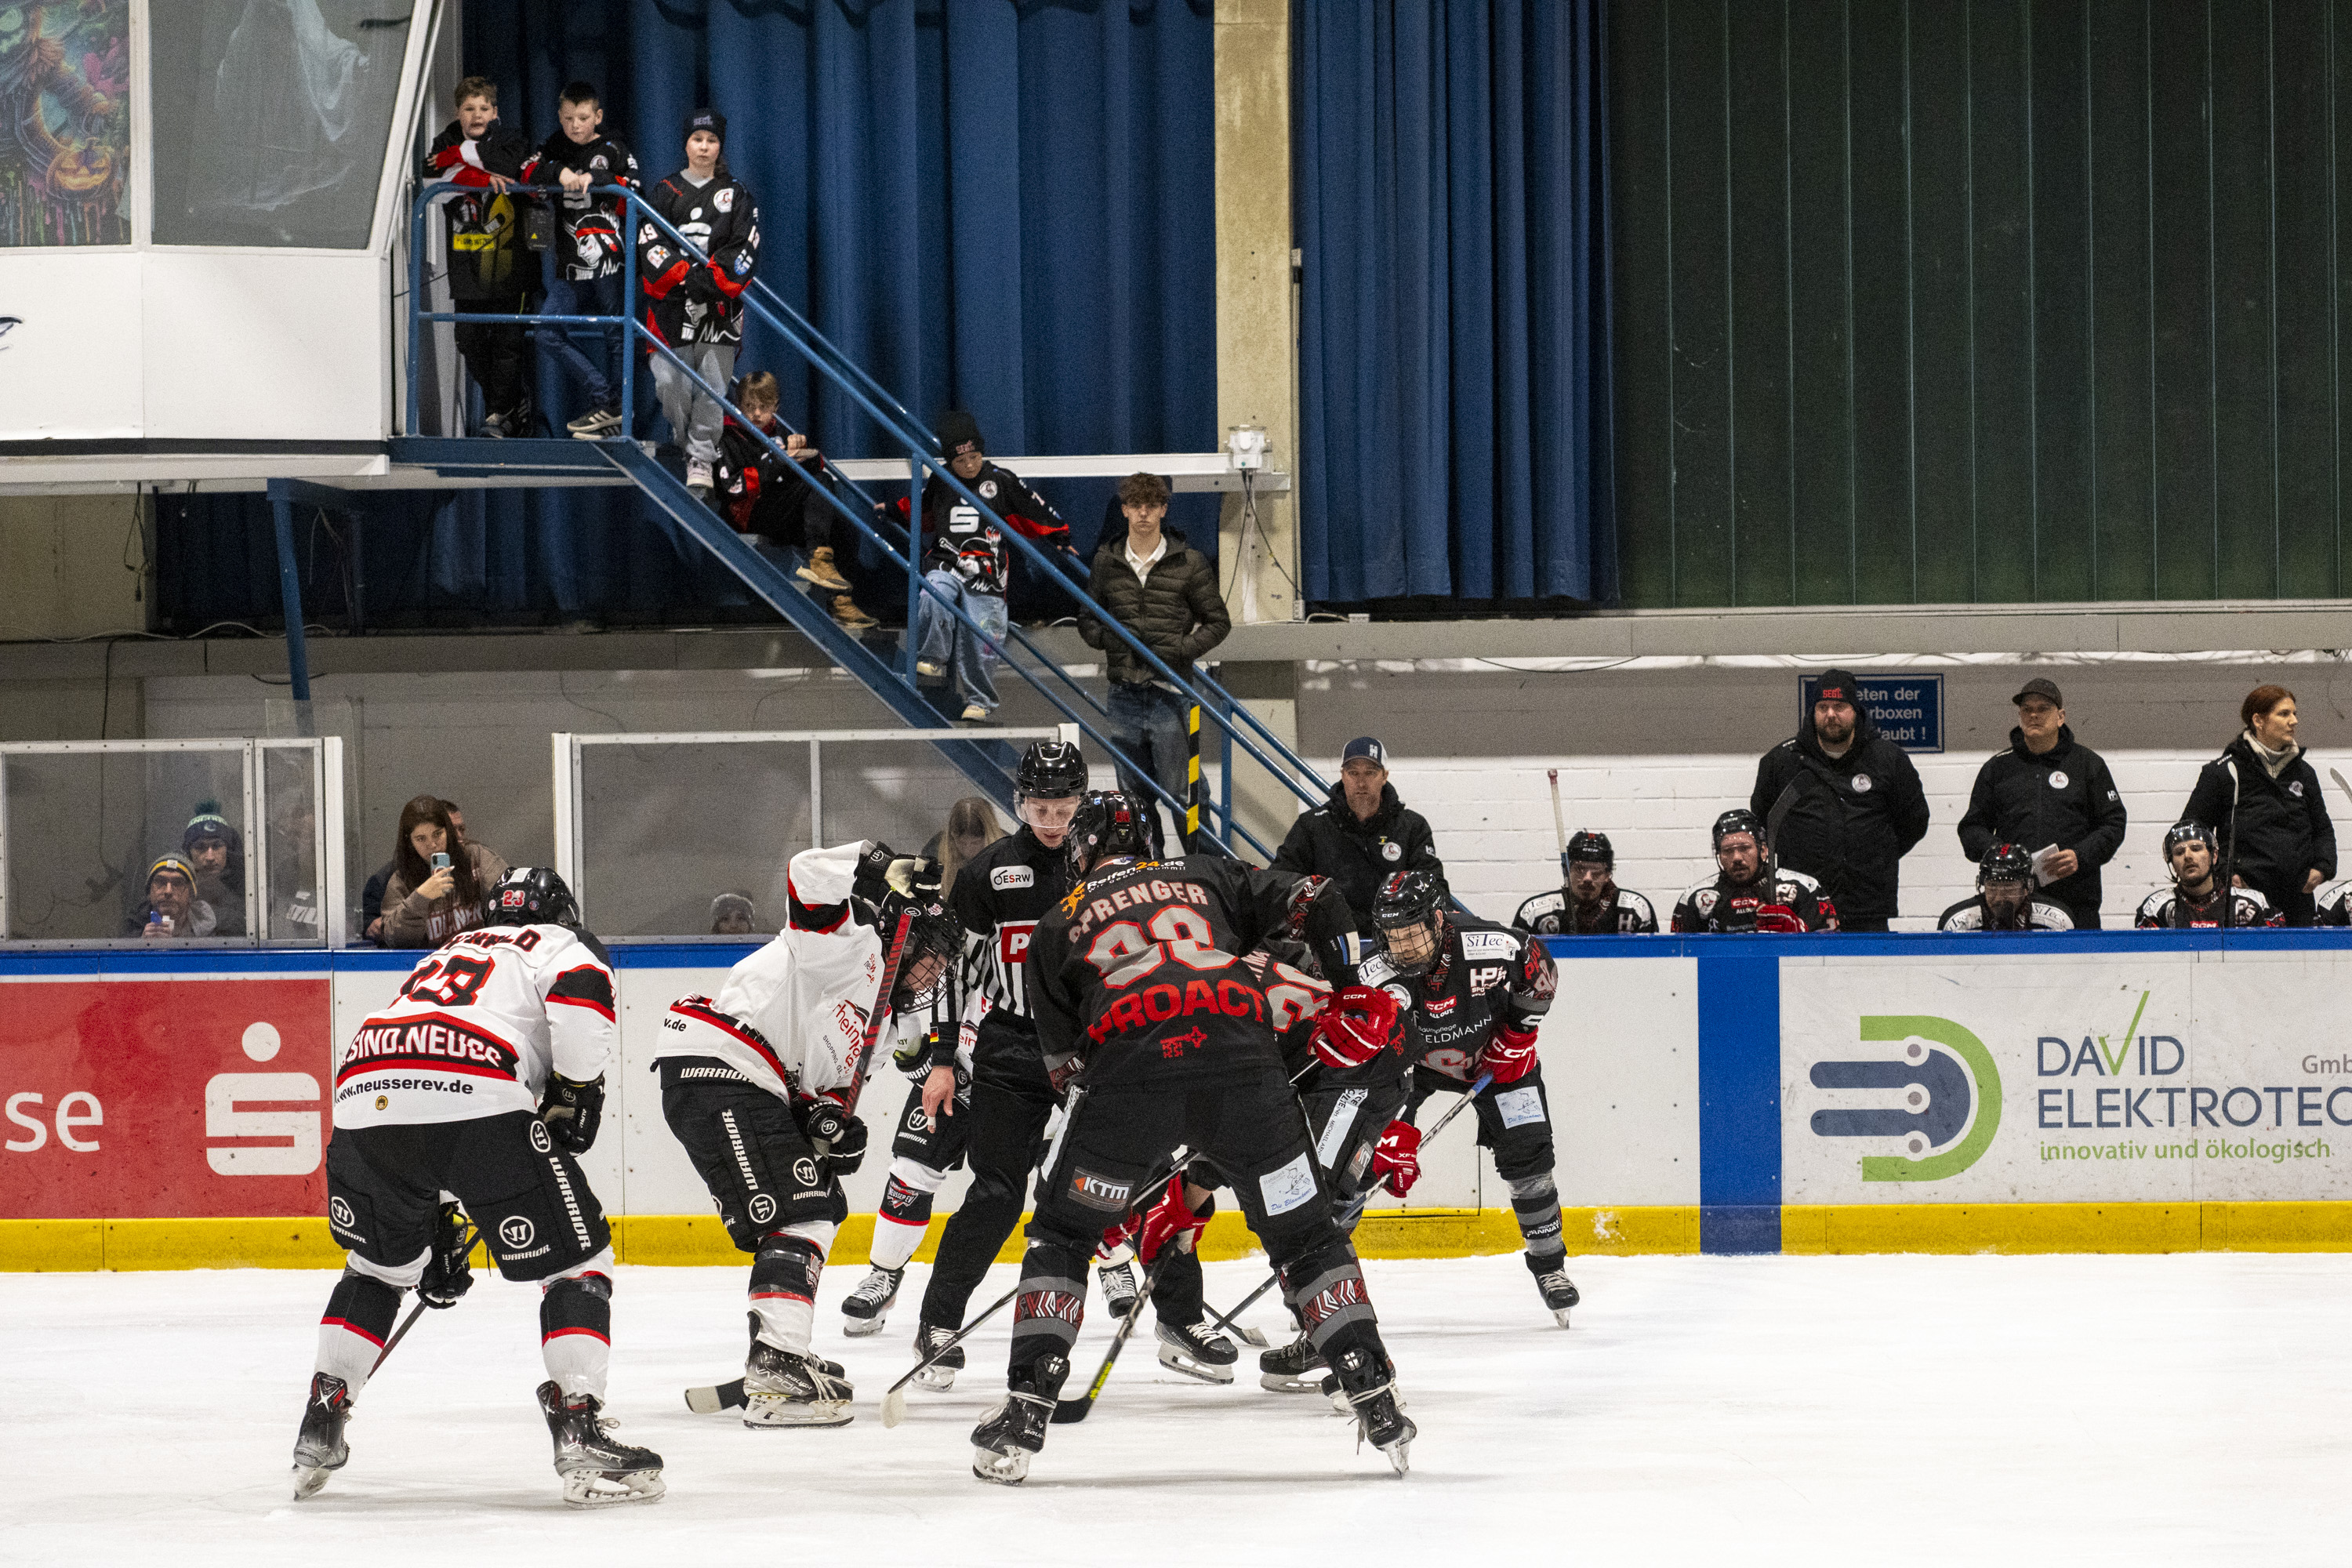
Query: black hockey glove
(838, 1136)
(571, 1112)
(701, 287)
(449, 1270)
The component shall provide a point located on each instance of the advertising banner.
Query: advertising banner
(2143, 1077)
(170, 1098)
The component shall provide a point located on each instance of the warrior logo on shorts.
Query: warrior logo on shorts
(341, 1213)
(805, 1171)
(538, 1138)
(918, 1122)
(762, 1208)
(516, 1232)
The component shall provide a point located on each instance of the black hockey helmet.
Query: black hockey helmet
(1591, 849)
(531, 896)
(2004, 862)
(1109, 826)
(934, 935)
(1051, 770)
(1410, 910)
(2181, 833)
(1739, 821)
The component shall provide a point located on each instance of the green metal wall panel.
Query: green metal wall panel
(1921, 301)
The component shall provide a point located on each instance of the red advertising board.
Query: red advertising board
(172, 1097)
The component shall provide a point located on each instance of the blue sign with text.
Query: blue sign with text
(1907, 709)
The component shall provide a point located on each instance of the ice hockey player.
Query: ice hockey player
(2330, 907)
(2196, 896)
(1165, 1037)
(999, 1122)
(1473, 993)
(2005, 898)
(755, 1083)
(1589, 902)
(1749, 895)
(486, 1077)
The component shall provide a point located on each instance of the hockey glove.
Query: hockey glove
(1061, 1072)
(702, 288)
(1510, 1056)
(839, 1137)
(571, 1112)
(1359, 1024)
(918, 1054)
(1778, 918)
(449, 1270)
(1396, 1159)
(1171, 1221)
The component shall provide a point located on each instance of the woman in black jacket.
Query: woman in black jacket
(2261, 799)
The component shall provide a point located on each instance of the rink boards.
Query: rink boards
(2113, 1091)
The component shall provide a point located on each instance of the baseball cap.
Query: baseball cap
(1365, 746)
(2040, 686)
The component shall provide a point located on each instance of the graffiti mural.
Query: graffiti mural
(65, 156)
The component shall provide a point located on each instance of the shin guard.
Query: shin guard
(784, 1277)
(906, 1212)
(1535, 1204)
(359, 1319)
(575, 1332)
(1051, 1305)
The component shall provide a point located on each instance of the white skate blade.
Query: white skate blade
(1276, 1383)
(937, 1377)
(763, 1411)
(1560, 1316)
(1175, 1360)
(308, 1482)
(858, 1328)
(608, 1488)
(1004, 1469)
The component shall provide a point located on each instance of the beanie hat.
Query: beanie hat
(209, 822)
(1839, 685)
(959, 432)
(709, 119)
(173, 862)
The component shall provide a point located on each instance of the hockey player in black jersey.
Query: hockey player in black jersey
(1166, 1036)
(2196, 896)
(1589, 902)
(484, 1077)
(1750, 893)
(2005, 900)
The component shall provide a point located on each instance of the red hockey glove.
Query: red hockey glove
(1171, 1220)
(1359, 1024)
(1396, 1159)
(1778, 918)
(1510, 1056)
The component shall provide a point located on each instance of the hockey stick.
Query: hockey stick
(2338, 777)
(881, 1010)
(1355, 1209)
(465, 1246)
(1558, 827)
(1069, 1410)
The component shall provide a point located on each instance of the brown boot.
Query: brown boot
(847, 613)
(822, 572)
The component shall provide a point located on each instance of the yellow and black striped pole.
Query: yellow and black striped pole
(1191, 776)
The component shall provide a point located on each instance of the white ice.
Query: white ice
(1830, 1410)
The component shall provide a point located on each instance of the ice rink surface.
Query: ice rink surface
(2187, 1408)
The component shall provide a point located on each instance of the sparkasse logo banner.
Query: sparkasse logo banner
(2131, 1078)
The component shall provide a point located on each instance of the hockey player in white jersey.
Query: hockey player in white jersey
(759, 1082)
(484, 1078)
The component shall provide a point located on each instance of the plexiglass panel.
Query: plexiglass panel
(86, 832)
(666, 831)
(895, 791)
(289, 808)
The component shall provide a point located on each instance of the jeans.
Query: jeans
(695, 416)
(600, 376)
(1149, 724)
(974, 658)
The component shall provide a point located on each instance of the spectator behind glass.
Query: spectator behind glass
(172, 909)
(372, 897)
(2263, 798)
(733, 914)
(217, 852)
(293, 873)
(427, 904)
(1164, 592)
(972, 827)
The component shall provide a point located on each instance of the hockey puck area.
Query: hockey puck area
(1798, 1409)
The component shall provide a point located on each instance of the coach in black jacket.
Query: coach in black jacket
(1363, 835)
(2048, 790)
(2262, 802)
(1855, 807)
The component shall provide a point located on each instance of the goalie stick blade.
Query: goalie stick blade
(711, 1401)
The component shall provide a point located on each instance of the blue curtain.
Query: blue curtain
(1451, 159)
(1000, 207)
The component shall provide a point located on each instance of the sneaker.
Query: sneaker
(782, 1388)
(598, 1470)
(822, 571)
(1291, 1368)
(847, 613)
(1117, 1288)
(494, 426)
(1196, 1350)
(697, 479)
(939, 1376)
(1001, 1445)
(929, 670)
(1559, 1293)
(973, 713)
(596, 424)
(869, 1306)
(318, 1448)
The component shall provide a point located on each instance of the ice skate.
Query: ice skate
(782, 1388)
(1001, 1445)
(318, 1448)
(1371, 1391)
(869, 1306)
(598, 1471)
(1559, 1291)
(1292, 1368)
(1117, 1288)
(939, 1376)
(1196, 1350)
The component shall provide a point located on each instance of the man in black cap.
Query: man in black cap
(1842, 804)
(2054, 798)
(690, 304)
(1362, 835)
